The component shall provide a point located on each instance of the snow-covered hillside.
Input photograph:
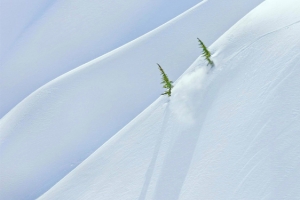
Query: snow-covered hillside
(229, 133)
(59, 125)
(46, 38)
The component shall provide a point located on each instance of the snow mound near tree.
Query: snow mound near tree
(60, 124)
(229, 133)
(43, 39)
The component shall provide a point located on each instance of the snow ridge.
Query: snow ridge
(239, 136)
(59, 125)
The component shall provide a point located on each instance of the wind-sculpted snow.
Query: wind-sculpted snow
(59, 125)
(43, 39)
(243, 142)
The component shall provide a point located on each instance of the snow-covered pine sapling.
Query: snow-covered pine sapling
(206, 54)
(165, 81)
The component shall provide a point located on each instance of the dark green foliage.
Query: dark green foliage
(165, 81)
(206, 54)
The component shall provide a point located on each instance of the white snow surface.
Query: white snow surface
(229, 133)
(63, 122)
(46, 38)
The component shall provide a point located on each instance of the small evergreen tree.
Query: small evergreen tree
(165, 81)
(206, 54)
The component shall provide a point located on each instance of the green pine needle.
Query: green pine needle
(165, 81)
(206, 54)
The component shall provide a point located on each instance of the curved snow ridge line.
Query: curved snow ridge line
(64, 50)
(129, 44)
(159, 106)
(260, 37)
(221, 142)
(289, 19)
(113, 52)
(86, 109)
(218, 163)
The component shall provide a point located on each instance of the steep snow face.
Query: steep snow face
(53, 130)
(42, 39)
(229, 133)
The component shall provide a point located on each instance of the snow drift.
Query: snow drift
(46, 38)
(59, 125)
(241, 139)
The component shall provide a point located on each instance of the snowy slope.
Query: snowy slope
(231, 133)
(55, 128)
(46, 38)
(16, 16)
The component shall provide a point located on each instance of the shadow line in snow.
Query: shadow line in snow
(150, 169)
(177, 162)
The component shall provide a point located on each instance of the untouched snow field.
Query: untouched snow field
(232, 132)
(46, 38)
(229, 133)
(59, 125)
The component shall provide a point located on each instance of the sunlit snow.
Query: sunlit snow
(227, 132)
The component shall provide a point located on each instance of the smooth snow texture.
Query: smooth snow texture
(46, 38)
(58, 126)
(244, 139)
(16, 16)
